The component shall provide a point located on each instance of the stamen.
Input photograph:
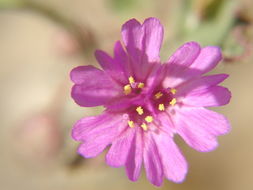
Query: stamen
(173, 91)
(131, 80)
(158, 95)
(139, 110)
(161, 107)
(141, 85)
(127, 89)
(144, 126)
(130, 123)
(149, 119)
(173, 101)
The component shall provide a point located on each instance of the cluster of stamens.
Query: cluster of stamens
(133, 86)
(142, 118)
(161, 99)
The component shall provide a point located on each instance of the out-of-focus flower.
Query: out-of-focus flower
(66, 43)
(148, 102)
(39, 138)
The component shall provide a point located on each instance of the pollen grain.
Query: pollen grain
(149, 119)
(139, 110)
(158, 95)
(127, 89)
(161, 107)
(144, 126)
(130, 123)
(173, 101)
(131, 80)
(141, 85)
(173, 91)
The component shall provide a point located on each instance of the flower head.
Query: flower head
(147, 102)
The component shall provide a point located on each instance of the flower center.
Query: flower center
(133, 87)
(164, 98)
(160, 100)
(140, 116)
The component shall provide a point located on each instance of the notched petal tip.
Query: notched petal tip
(154, 21)
(75, 133)
(228, 95)
(130, 23)
(74, 73)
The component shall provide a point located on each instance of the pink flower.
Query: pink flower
(147, 103)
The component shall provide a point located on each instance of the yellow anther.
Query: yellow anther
(149, 119)
(131, 80)
(141, 85)
(139, 110)
(144, 126)
(173, 101)
(173, 91)
(127, 89)
(130, 123)
(158, 95)
(161, 107)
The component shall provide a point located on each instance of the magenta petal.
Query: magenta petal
(179, 62)
(97, 132)
(134, 160)
(203, 92)
(174, 164)
(121, 59)
(199, 127)
(132, 35)
(208, 58)
(118, 153)
(143, 39)
(153, 38)
(184, 56)
(200, 83)
(89, 127)
(92, 86)
(90, 149)
(111, 66)
(152, 161)
(208, 97)
(143, 44)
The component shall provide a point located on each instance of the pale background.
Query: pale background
(37, 53)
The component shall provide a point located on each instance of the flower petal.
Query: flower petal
(118, 153)
(199, 127)
(115, 67)
(134, 159)
(121, 58)
(206, 59)
(200, 83)
(203, 91)
(143, 39)
(184, 56)
(92, 86)
(97, 132)
(143, 43)
(153, 38)
(152, 161)
(179, 62)
(208, 97)
(174, 164)
(88, 127)
(132, 36)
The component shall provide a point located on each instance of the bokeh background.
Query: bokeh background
(41, 40)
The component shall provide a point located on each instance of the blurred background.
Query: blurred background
(42, 40)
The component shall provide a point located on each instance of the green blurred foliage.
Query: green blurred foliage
(123, 5)
(11, 3)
